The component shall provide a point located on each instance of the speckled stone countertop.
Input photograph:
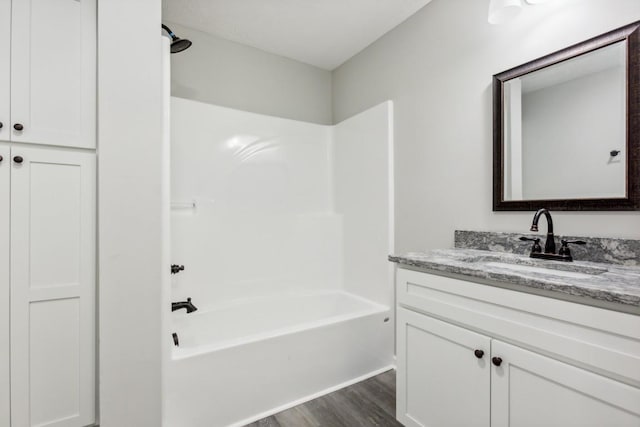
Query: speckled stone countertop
(607, 285)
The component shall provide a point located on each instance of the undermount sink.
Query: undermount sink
(582, 273)
(521, 264)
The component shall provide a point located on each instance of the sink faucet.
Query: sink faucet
(550, 243)
(564, 254)
(183, 304)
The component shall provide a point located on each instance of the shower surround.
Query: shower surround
(284, 228)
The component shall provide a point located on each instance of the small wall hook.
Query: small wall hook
(614, 153)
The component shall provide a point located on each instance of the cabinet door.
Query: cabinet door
(530, 390)
(53, 72)
(5, 168)
(441, 382)
(5, 69)
(52, 287)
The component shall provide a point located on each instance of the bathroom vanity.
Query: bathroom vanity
(488, 338)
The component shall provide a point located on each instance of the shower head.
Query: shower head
(177, 44)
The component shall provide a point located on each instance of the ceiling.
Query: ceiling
(324, 33)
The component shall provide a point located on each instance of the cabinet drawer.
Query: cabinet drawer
(600, 340)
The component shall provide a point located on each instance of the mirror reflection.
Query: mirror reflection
(564, 129)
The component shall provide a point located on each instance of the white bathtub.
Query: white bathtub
(244, 361)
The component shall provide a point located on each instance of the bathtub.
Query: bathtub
(240, 362)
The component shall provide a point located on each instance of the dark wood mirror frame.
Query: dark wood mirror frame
(630, 33)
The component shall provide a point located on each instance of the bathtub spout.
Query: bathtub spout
(183, 304)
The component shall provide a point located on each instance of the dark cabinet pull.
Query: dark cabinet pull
(1, 125)
(1, 158)
(18, 127)
(18, 159)
(479, 354)
(497, 361)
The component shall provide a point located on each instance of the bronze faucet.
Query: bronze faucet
(564, 254)
(550, 243)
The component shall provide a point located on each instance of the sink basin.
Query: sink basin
(524, 264)
(521, 268)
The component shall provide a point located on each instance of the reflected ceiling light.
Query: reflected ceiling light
(536, 1)
(500, 11)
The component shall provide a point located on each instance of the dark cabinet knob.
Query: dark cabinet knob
(18, 159)
(175, 268)
(18, 127)
(1, 158)
(497, 361)
(479, 354)
(1, 125)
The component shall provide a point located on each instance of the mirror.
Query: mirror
(567, 128)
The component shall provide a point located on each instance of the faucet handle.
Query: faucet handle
(564, 250)
(536, 243)
(572, 242)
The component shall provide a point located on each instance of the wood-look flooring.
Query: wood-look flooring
(370, 403)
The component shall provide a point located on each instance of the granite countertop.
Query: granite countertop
(594, 283)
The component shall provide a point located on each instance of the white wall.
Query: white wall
(165, 285)
(129, 206)
(229, 74)
(437, 67)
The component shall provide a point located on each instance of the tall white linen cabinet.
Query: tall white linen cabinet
(47, 213)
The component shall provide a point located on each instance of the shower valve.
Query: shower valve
(175, 268)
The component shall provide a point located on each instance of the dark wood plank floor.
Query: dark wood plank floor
(369, 403)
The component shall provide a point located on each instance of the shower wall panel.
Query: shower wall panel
(363, 190)
(263, 221)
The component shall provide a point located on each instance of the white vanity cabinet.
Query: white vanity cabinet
(476, 355)
(5, 335)
(529, 389)
(440, 381)
(5, 71)
(48, 72)
(47, 224)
